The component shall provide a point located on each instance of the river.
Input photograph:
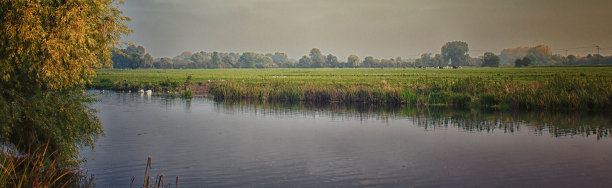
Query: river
(216, 144)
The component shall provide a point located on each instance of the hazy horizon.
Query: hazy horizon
(384, 28)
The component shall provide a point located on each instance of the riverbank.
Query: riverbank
(566, 88)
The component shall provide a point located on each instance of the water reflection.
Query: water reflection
(431, 118)
(218, 144)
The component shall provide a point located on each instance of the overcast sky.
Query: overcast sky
(379, 28)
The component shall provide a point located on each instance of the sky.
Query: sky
(379, 28)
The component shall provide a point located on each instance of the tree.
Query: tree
(456, 52)
(305, 62)
(571, 59)
(332, 61)
(425, 60)
(280, 58)
(522, 62)
(399, 62)
(540, 54)
(247, 60)
(166, 63)
(368, 62)
(148, 61)
(132, 57)
(490, 60)
(215, 60)
(317, 58)
(352, 61)
(49, 50)
(228, 60)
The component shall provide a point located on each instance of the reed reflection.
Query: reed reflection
(557, 124)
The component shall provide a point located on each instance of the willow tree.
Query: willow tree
(48, 52)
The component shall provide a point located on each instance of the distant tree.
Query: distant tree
(317, 58)
(148, 61)
(332, 61)
(132, 57)
(540, 55)
(215, 60)
(263, 61)
(353, 61)
(438, 60)
(166, 63)
(455, 51)
(399, 62)
(305, 62)
(247, 60)
(571, 59)
(368, 62)
(199, 60)
(387, 63)
(280, 58)
(425, 60)
(490, 60)
(229, 61)
(522, 62)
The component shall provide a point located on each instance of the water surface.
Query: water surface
(212, 144)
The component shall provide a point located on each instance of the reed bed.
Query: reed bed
(557, 93)
(569, 87)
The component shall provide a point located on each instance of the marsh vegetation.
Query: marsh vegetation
(558, 88)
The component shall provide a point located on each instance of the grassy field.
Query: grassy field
(533, 87)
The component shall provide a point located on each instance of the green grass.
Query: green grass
(571, 87)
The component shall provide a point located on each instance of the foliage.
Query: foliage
(132, 57)
(48, 52)
(353, 61)
(61, 118)
(456, 51)
(540, 54)
(52, 45)
(522, 62)
(490, 60)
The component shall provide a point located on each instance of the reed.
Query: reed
(559, 92)
(571, 87)
(33, 169)
(159, 182)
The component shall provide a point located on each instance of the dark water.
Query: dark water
(210, 144)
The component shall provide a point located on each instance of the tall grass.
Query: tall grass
(558, 92)
(516, 88)
(34, 169)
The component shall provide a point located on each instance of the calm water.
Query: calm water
(210, 144)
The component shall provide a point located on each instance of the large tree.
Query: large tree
(456, 52)
(48, 52)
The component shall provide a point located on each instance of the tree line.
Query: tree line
(454, 53)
